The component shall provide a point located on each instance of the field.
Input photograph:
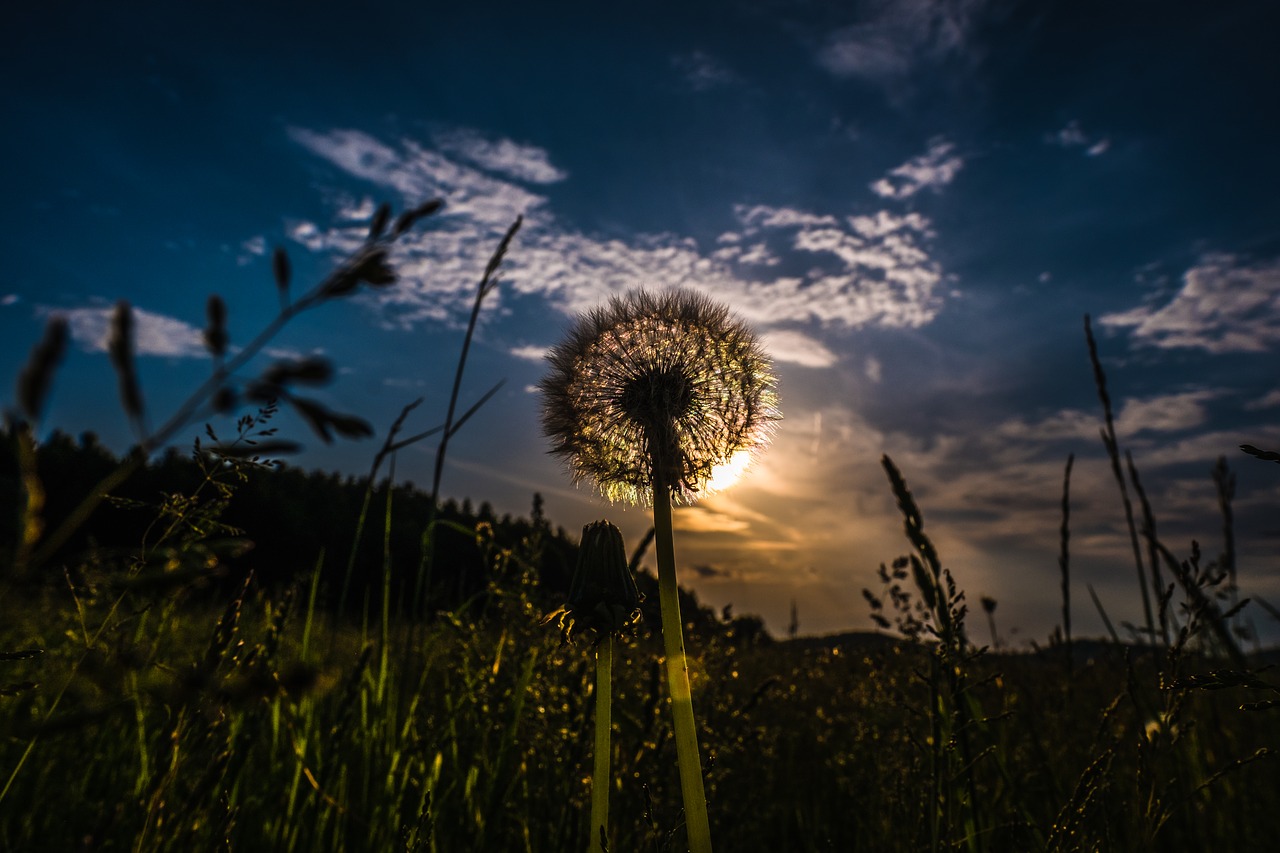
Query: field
(183, 709)
(262, 659)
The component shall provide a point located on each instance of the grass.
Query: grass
(267, 723)
(476, 736)
(146, 706)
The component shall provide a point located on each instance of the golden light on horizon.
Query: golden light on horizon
(726, 474)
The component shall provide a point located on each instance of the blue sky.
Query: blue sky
(913, 202)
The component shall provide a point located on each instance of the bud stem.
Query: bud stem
(601, 780)
(695, 800)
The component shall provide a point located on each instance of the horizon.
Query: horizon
(913, 204)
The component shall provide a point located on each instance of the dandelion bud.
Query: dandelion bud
(602, 580)
(603, 597)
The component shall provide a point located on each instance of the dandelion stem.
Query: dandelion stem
(686, 734)
(601, 779)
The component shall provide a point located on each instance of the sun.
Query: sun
(726, 474)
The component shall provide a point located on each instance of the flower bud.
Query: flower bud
(603, 597)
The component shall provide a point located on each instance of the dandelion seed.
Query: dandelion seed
(666, 385)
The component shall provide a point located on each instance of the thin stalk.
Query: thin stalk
(487, 283)
(601, 779)
(940, 813)
(1064, 564)
(1113, 451)
(686, 733)
(1225, 481)
(1149, 524)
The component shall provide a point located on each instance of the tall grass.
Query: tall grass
(267, 725)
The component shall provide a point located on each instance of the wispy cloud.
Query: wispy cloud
(703, 71)
(1164, 413)
(530, 353)
(867, 269)
(254, 247)
(522, 162)
(1225, 305)
(1073, 136)
(1065, 424)
(704, 519)
(420, 173)
(894, 36)
(798, 348)
(1270, 400)
(933, 169)
(155, 334)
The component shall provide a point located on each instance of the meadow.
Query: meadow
(396, 686)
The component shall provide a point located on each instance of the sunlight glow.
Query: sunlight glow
(726, 474)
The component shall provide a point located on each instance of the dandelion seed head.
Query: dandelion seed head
(666, 384)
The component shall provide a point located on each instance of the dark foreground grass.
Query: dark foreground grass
(143, 706)
(160, 723)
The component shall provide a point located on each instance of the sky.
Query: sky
(913, 203)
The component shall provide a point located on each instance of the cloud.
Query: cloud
(1166, 413)
(872, 270)
(933, 169)
(868, 269)
(418, 174)
(1270, 400)
(1066, 424)
(154, 334)
(702, 71)
(357, 211)
(758, 255)
(1225, 305)
(702, 519)
(795, 347)
(897, 35)
(530, 353)
(254, 247)
(9, 299)
(1072, 136)
(764, 216)
(522, 162)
